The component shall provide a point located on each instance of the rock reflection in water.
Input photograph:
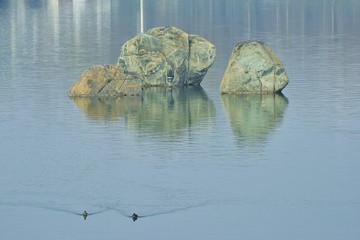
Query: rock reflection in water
(158, 110)
(254, 116)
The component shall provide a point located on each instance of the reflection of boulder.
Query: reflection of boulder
(254, 116)
(107, 108)
(167, 56)
(158, 110)
(253, 68)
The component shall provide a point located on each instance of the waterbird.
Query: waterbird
(84, 214)
(170, 76)
(134, 217)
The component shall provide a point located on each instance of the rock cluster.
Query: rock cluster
(164, 56)
(168, 56)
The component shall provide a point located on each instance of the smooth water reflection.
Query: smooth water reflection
(253, 117)
(167, 111)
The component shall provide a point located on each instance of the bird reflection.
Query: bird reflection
(171, 101)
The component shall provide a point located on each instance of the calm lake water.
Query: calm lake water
(195, 164)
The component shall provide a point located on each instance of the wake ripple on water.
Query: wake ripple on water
(84, 214)
(135, 216)
(102, 209)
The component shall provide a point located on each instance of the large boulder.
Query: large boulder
(253, 68)
(105, 80)
(166, 56)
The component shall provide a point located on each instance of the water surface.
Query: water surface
(198, 164)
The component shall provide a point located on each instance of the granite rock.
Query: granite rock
(167, 56)
(164, 56)
(253, 68)
(105, 80)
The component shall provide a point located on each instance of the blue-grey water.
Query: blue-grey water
(194, 164)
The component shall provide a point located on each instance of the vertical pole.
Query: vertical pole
(141, 16)
(249, 19)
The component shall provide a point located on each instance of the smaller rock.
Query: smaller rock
(105, 80)
(253, 68)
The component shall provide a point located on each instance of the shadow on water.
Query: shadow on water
(84, 214)
(253, 117)
(136, 216)
(158, 110)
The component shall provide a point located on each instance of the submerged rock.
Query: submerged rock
(253, 68)
(105, 80)
(166, 56)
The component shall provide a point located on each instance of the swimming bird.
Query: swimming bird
(84, 214)
(134, 217)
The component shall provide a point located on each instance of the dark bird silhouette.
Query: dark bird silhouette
(170, 76)
(134, 217)
(85, 214)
